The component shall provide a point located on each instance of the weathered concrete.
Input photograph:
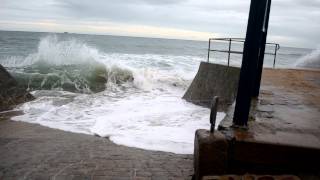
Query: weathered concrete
(263, 157)
(210, 153)
(251, 177)
(287, 111)
(283, 134)
(214, 80)
(11, 93)
(37, 152)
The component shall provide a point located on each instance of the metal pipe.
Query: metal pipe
(209, 50)
(229, 52)
(249, 62)
(275, 56)
(264, 33)
(225, 51)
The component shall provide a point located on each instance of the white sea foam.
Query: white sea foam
(155, 120)
(311, 60)
(146, 113)
(53, 51)
(146, 69)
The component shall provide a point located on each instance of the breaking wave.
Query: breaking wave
(133, 99)
(311, 60)
(66, 65)
(70, 65)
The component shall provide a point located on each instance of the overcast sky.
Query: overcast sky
(292, 22)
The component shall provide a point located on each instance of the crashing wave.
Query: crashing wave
(70, 65)
(311, 60)
(66, 65)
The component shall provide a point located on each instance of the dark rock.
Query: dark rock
(11, 93)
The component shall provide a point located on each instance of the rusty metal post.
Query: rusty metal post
(257, 83)
(209, 50)
(249, 62)
(275, 55)
(213, 113)
(229, 52)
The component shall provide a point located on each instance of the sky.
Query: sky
(294, 23)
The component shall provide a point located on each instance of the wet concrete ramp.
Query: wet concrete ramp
(214, 80)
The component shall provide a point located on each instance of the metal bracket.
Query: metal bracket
(213, 113)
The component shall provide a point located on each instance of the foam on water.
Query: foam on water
(66, 65)
(138, 100)
(146, 112)
(155, 120)
(311, 60)
(53, 51)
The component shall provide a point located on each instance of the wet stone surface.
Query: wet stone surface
(29, 151)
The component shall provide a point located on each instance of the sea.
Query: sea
(127, 89)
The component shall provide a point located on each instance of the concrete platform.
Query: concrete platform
(30, 151)
(287, 111)
(283, 134)
(251, 177)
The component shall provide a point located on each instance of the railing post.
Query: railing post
(275, 56)
(229, 52)
(213, 113)
(209, 50)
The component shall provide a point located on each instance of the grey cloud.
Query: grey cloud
(298, 19)
(193, 15)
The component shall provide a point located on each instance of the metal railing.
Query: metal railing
(239, 40)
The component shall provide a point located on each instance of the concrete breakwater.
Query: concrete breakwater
(214, 80)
